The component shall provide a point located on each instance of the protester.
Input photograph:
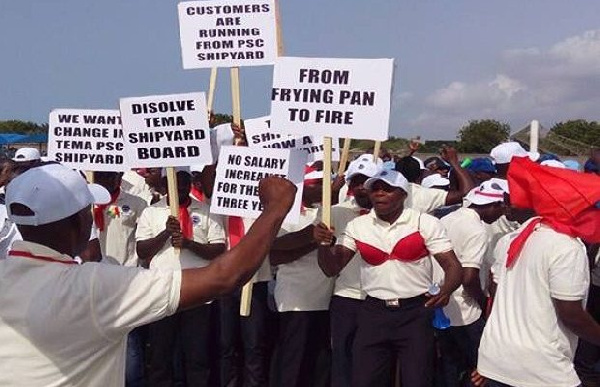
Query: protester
(347, 295)
(65, 324)
(542, 275)
(302, 296)
(465, 227)
(481, 169)
(396, 245)
(199, 238)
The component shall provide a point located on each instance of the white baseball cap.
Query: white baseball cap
(503, 153)
(52, 192)
(393, 178)
(363, 165)
(26, 154)
(488, 192)
(435, 180)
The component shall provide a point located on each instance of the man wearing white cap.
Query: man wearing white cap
(302, 295)
(27, 155)
(200, 238)
(465, 227)
(347, 295)
(63, 324)
(503, 154)
(396, 245)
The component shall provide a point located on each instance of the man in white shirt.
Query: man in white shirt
(347, 295)
(467, 232)
(543, 278)
(63, 324)
(199, 238)
(302, 295)
(396, 245)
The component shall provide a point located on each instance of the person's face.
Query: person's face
(361, 195)
(387, 200)
(109, 180)
(493, 212)
(312, 193)
(197, 180)
(153, 177)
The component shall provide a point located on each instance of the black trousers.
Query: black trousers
(248, 335)
(191, 330)
(304, 354)
(344, 322)
(385, 331)
(587, 355)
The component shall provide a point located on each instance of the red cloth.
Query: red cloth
(197, 194)
(185, 221)
(563, 199)
(235, 226)
(99, 209)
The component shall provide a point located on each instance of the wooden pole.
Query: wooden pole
(211, 90)
(344, 156)
(89, 176)
(173, 197)
(376, 151)
(326, 198)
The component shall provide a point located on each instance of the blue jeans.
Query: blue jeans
(134, 365)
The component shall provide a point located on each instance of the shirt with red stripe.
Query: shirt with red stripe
(395, 278)
(66, 324)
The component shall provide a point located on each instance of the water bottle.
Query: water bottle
(440, 320)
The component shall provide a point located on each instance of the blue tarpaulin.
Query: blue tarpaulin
(15, 138)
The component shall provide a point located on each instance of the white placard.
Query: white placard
(87, 139)
(166, 130)
(227, 33)
(238, 172)
(332, 97)
(259, 134)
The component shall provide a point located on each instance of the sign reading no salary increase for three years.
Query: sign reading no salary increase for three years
(86, 139)
(259, 134)
(239, 171)
(166, 130)
(332, 97)
(227, 33)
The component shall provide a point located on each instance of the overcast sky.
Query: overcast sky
(512, 60)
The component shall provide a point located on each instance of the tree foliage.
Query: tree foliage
(583, 131)
(22, 127)
(480, 136)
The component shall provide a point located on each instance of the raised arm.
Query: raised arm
(236, 266)
(465, 183)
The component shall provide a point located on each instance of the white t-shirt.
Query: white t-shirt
(301, 285)
(469, 239)
(524, 343)
(117, 240)
(347, 284)
(394, 278)
(63, 324)
(207, 227)
(424, 199)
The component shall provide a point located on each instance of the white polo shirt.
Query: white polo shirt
(117, 240)
(207, 227)
(524, 343)
(347, 283)
(469, 239)
(63, 324)
(264, 273)
(394, 278)
(424, 199)
(301, 285)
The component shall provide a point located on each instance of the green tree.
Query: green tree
(582, 131)
(22, 127)
(480, 136)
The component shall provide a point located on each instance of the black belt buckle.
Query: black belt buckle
(393, 303)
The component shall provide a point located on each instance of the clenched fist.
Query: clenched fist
(276, 194)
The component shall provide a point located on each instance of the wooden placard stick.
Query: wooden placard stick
(344, 156)
(173, 197)
(326, 198)
(211, 90)
(376, 151)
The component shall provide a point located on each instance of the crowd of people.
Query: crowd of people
(436, 272)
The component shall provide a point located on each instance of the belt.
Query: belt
(398, 302)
